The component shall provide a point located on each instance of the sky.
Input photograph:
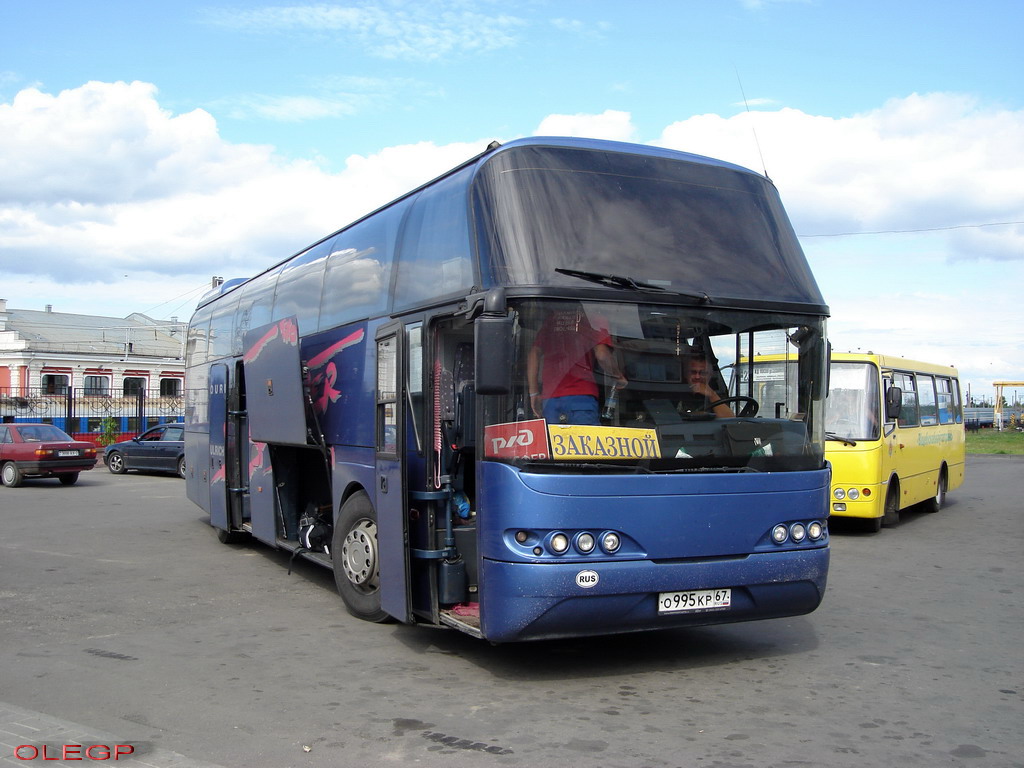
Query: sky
(146, 147)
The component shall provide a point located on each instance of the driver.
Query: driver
(704, 395)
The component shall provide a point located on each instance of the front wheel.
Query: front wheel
(892, 504)
(10, 475)
(938, 501)
(357, 558)
(181, 466)
(115, 463)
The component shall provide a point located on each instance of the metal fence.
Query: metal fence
(83, 414)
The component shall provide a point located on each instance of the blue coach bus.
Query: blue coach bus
(381, 403)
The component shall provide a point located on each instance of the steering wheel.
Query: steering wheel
(749, 409)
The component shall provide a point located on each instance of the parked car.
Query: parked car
(160, 448)
(42, 450)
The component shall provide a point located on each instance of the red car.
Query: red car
(42, 450)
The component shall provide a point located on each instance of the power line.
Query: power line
(923, 229)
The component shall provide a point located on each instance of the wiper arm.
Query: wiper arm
(839, 438)
(628, 283)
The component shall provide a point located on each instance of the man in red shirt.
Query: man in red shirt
(566, 346)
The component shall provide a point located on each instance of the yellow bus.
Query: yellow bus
(914, 457)
(895, 429)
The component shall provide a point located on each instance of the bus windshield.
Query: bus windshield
(708, 229)
(612, 387)
(853, 403)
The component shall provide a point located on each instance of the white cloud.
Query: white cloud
(925, 161)
(98, 182)
(610, 124)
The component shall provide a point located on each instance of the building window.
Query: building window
(170, 387)
(55, 384)
(134, 385)
(97, 385)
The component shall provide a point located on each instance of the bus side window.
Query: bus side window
(945, 400)
(908, 408)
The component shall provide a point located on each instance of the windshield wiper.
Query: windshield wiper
(628, 283)
(839, 438)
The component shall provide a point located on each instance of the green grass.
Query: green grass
(991, 441)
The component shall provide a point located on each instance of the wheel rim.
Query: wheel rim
(8, 473)
(359, 556)
(940, 492)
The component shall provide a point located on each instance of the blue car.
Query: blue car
(160, 448)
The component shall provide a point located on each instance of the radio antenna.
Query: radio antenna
(753, 128)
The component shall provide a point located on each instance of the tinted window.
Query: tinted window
(299, 287)
(255, 306)
(434, 254)
(222, 325)
(196, 345)
(358, 275)
(685, 226)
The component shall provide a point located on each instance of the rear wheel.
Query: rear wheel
(356, 558)
(68, 478)
(115, 463)
(892, 504)
(936, 503)
(10, 475)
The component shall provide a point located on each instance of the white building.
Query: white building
(47, 354)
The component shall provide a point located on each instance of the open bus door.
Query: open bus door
(391, 492)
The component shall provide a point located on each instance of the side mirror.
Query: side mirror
(493, 352)
(893, 403)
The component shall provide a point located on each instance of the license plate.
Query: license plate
(694, 601)
(67, 453)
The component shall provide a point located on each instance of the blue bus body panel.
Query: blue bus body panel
(722, 523)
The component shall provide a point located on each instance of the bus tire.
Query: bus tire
(10, 475)
(357, 558)
(873, 524)
(892, 504)
(231, 537)
(937, 502)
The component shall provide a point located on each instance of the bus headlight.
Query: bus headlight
(559, 543)
(853, 494)
(798, 532)
(779, 534)
(585, 543)
(815, 531)
(839, 494)
(610, 542)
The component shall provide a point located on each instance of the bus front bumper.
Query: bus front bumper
(532, 601)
